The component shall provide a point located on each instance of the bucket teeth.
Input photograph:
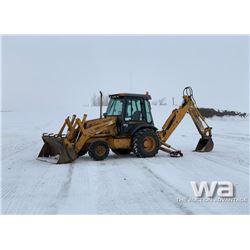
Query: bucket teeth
(205, 144)
(54, 147)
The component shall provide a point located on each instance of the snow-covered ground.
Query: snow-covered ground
(120, 185)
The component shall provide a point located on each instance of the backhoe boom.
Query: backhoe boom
(205, 144)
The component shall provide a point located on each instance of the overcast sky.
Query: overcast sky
(54, 71)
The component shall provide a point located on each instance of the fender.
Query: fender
(142, 126)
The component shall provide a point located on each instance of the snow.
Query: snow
(120, 185)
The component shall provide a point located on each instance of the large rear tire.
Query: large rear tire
(98, 150)
(146, 143)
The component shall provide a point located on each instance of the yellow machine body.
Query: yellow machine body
(78, 136)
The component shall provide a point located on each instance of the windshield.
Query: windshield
(115, 107)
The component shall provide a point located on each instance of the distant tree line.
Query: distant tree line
(161, 101)
(210, 112)
(206, 112)
(95, 100)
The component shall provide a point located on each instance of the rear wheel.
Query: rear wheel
(98, 150)
(146, 143)
(121, 151)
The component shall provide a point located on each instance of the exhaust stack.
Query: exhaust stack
(100, 104)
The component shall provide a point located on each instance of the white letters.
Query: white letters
(224, 188)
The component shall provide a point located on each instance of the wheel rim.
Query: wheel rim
(149, 144)
(100, 150)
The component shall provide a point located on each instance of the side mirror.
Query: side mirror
(105, 114)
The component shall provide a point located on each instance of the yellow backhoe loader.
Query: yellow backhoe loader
(127, 126)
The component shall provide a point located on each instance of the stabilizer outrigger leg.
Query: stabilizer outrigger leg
(172, 151)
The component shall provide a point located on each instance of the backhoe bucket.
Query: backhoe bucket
(205, 145)
(54, 150)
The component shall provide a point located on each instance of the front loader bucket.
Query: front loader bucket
(205, 145)
(55, 150)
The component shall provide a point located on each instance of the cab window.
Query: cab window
(134, 110)
(115, 107)
(148, 112)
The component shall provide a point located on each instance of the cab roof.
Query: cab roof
(132, 95)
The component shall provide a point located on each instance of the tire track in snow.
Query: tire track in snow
(64, 190)
(169, 190)
(224, 163)
(125, 189)
(104, 193)
(146, 201)
(13, 203)
(208, 208)
(236, 138)
(174, 190)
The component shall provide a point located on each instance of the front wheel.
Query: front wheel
(146, 143)
(98, 150)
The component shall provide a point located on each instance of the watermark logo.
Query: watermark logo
(224, 189)
(214, 191)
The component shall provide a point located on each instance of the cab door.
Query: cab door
(134, 114)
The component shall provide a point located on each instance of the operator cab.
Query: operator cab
(132, 110)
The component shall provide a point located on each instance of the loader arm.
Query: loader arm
(205, 144)
(66, 147)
